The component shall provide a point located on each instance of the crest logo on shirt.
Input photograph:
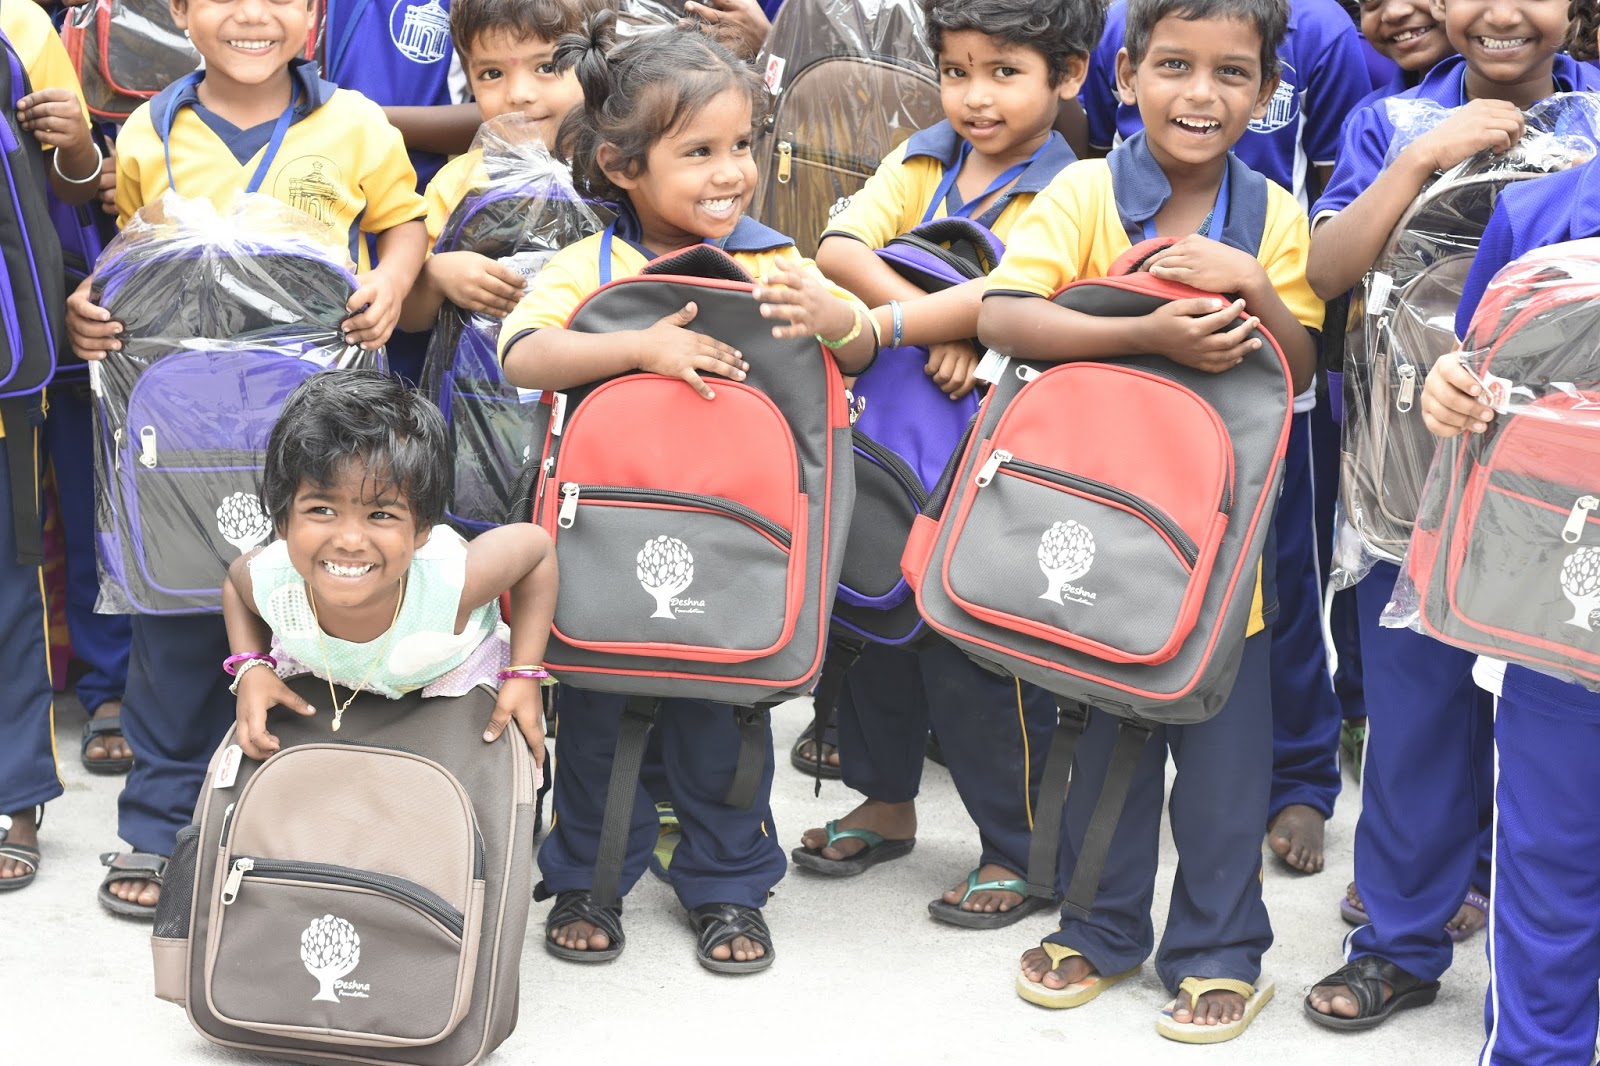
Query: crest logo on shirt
(312, 184)
(421, 31)
(1284, 107)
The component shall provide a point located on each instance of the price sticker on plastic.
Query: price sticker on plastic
(774, 73)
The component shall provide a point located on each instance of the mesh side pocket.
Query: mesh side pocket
(177, 887)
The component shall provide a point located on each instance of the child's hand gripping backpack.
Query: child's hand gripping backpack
(360, 898)
(1505, 558)
(852, 80)
(522, 212)
(222, 319)
(1101, 533)
(700, 541)
(1402, 319)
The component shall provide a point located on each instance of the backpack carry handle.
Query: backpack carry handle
(700, 261)
(955, 231)
(1138, 257)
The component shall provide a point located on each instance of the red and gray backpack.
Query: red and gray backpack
(700, 542)
(1101, 533)
(1506, 553)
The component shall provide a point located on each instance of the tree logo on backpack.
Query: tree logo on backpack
(666, 568)
(1066, 552)
(1580, 583)
(421, 31)
(242, 522)
(330, 949)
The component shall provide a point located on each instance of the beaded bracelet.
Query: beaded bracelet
(245, 667)
(230, 665)
(855, 331)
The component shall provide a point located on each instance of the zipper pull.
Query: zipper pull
(785, 162)
(569, 505)
(991, 466)
(147, 447)
(230, 889)
(857, 405)
(116, 445)
(1026, 374)
(1579, 518)
(1408, 387)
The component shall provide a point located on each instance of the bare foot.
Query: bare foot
(1339, 1002)
(808, 752)
(892, 821)
(144, 893)
(580, 936)
(988, 901)
(1468, 921)
(108, 746)
(739, 949)
(1072, 971)
(1217, 1007)
(24, 832)
(1295, 836)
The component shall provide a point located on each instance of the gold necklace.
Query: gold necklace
(327, 672)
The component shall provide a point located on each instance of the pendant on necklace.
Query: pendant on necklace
(338, 713)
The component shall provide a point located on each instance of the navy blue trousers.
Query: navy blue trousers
(725, 855)
(175, 712)
(1305, 711)
(1544, 936)
(1217, 923)
(100, 641)
(1426, 788)
(994, 732)
(27, 739)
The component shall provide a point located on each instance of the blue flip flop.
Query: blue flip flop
(877, 850)
(952, 914)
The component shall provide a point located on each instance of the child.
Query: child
(1428, 771)
(1004, 68)
(507, 48)
(1406, 33)
(177, 705)
(54, 114)
(1541, 1001)
(1322, 74)
(355, 484)
(665, 132)
(1200, 71)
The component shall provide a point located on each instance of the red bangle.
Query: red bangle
(231, 664)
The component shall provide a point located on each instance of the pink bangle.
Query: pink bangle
(524, 673)
(230, 665)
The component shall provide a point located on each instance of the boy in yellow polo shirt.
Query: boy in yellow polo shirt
(1200, 71)
(255, 116)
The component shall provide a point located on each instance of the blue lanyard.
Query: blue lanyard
(279, 130)
(948, 184)
(1214, 221)
(335, 56)
(605, 250)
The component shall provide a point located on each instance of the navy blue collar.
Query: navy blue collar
(314, 92)
(748, 235)
(1141, 190)
(941, 142)
(1446, 83)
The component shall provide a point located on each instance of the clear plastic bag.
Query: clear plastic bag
(851, 80)
(1402, 319)
(520, 210)
(223, 315)
(1505, 556)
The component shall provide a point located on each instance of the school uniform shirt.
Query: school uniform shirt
(340, 161)
(1082, 222)
(574, 273)
(1323, 73)
(43, 56)
(448, 188)
(396, 52)
(896, 198)
(1371, 131)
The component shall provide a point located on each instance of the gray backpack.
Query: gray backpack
(359, 896)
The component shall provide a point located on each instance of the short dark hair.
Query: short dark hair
(367, 417)
(1269, 17)
(547, 20)
(637, 92)
(1057, 29)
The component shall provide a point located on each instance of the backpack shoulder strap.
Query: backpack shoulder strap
(1246, 225)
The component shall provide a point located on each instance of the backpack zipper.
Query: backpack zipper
(897, 467)
(1184, 543)
(571, 491)
(407, 892)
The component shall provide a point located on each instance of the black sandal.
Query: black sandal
(99, 729)
(23, 853)
(830, 745)
(578, 905)
(718, 924)
(1365, 978)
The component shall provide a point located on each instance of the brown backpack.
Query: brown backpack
(359, 896)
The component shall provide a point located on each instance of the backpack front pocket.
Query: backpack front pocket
(679, 524)
(1118, 484)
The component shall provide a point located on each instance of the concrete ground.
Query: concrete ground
(863, 974)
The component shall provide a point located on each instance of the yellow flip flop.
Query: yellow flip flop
(1255, 996)
(1075, 995)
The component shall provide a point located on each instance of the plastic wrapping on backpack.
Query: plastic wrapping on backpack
(1505, 557)
(223, 316)
(850, 80)
(519, 211)
(1402, 319)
